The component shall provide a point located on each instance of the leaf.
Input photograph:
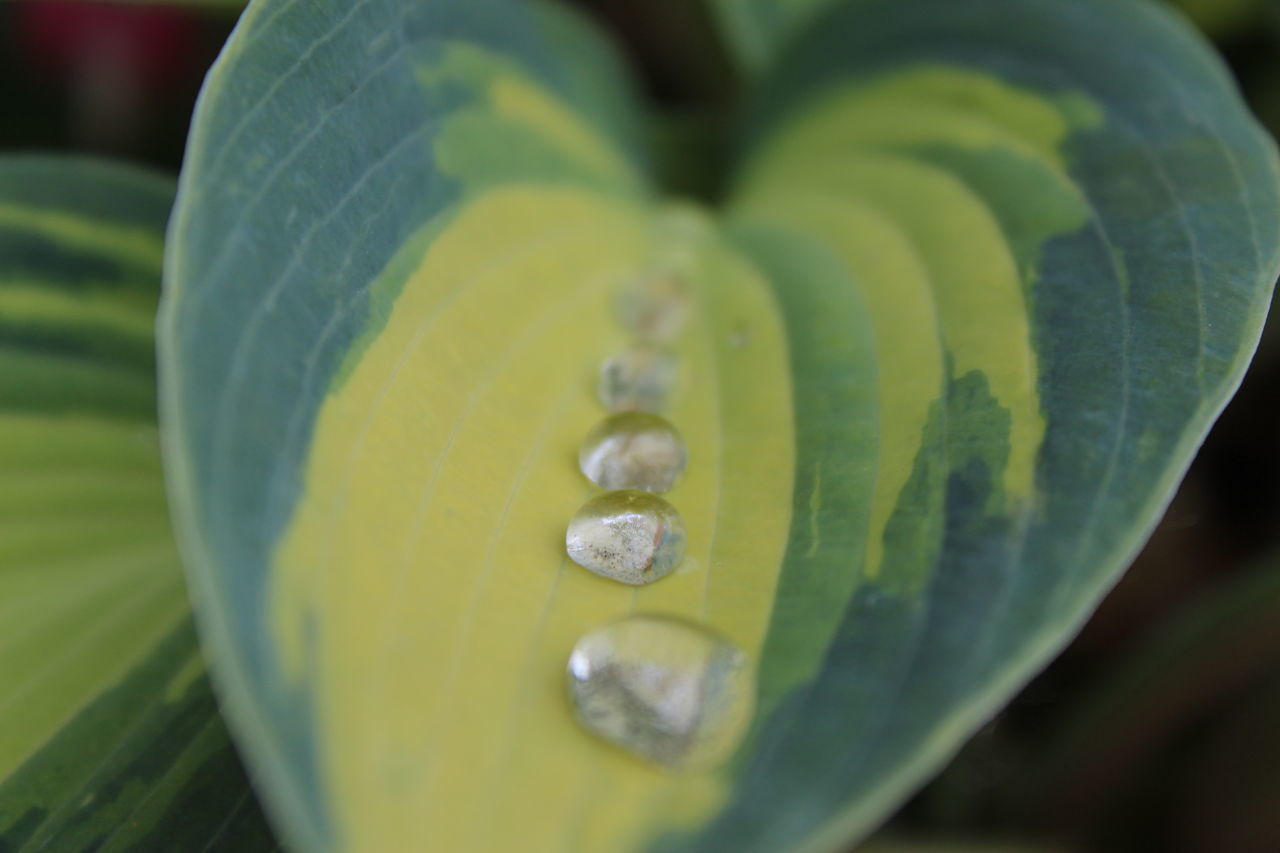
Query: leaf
(987, 275)
(756, 30)
(1224, 18)
(1219, 647)
(110, 738)
(916, 845)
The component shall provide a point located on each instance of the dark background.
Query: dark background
(1159, 727)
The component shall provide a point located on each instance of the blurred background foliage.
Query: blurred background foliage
(1157, 730)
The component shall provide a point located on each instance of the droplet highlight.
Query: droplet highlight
(633, 450)
(667, 690)
(630, 536)
(639, 379)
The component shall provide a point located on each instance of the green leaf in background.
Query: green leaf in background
(1224, 18)
(914, 845)
(110, 738)
(756, 30)
(986, 275)
(1218, 652)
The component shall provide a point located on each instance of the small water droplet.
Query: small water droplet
(668, 690)
(633, 450)
(682, 225)
(638, 379)
(632, 537)
(655, 305)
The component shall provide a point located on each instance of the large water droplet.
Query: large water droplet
(656, 304)
(639, 379)
(632, 537)
(668, 690)
(633, 450)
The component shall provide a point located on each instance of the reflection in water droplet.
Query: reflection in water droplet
(668, 690)
(656, 305)
(638, 379)
(632, 537)
(633, 450)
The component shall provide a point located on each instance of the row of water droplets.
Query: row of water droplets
(671, 691)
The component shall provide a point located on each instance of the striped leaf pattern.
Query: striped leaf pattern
(110, 738)
(984, 277)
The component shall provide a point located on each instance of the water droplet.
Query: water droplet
(633, 450)
(668, 690)
(655, 305)
(681, 226)
(638, 379)
(632, 537)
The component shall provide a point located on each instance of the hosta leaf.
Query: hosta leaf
(1064, 254)
(109, 735)
(987, 273)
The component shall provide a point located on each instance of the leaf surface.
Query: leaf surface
(110, 737)
(981, 285)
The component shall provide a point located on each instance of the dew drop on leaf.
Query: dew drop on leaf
(670, 691)
(656, 305)
(633, 450)
(630, 536)
(639, 379)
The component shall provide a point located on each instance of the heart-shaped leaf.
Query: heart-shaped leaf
(986, 275)
(110, 738)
